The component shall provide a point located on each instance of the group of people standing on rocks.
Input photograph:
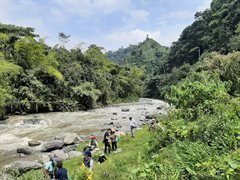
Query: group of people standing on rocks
(54, 168)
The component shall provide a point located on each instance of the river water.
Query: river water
(18, 130)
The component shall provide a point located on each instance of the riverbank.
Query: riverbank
(18, 130)
(124, 164)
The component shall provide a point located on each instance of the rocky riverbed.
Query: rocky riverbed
(17, 131)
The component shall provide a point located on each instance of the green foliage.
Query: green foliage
(86, 94)
(148, 55)
(198, 94)
(119, 55)
(200, 136)
(33, 174)
(214, 29)
(55, 73)
(57, 79)
(7, 72)
(158, 86)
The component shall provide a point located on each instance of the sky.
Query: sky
(107, 23)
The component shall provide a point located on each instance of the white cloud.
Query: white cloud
(132, 37)
(180, 15)
(23, 13)
(87, 8)
(58, 16)
(171, 34)
(205, 5)
(135, 17)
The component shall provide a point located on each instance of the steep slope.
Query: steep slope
(119, 55)
(215, 29)
(149, 55)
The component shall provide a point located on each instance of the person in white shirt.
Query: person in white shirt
(133, 125)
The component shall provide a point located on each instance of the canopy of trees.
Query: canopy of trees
(148, 55)
(37, 78)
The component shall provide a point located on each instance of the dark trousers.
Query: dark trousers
(114, 146)
(132, 131)
(107, 146)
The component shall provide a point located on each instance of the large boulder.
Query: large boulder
(24, 166)
(52, 145)
(71, 138)
(60, 154)
(25, 150)
(72, 154)
(34, 143)
(43, 158)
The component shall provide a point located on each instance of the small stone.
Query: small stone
(33, 143)
(125, 109)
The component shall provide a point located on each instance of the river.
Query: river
(18, 130)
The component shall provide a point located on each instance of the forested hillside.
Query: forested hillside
(199, 76)
(200, 137)
(148, 55)
(215, 29)
(38, 78)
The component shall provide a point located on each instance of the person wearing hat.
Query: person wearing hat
(87, 160)
(93, 142)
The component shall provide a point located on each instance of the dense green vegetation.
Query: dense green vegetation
(200, 77)
(201, 137)
(148, 55)
(37, 78)
(215, 29)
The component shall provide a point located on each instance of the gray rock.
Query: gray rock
(150, 116)
(34, 143)
(43, 158)
(125, 109)
(114, 113)
(114, 118)
(71, 138)
(52, 145)
(31, 121)
(69, 148)
(72, 154)
(25, 150)
(24, 166)
(59, 138)
(60, 154)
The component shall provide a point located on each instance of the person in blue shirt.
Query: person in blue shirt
(49, 169)
(61, 173)
(87, 160)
